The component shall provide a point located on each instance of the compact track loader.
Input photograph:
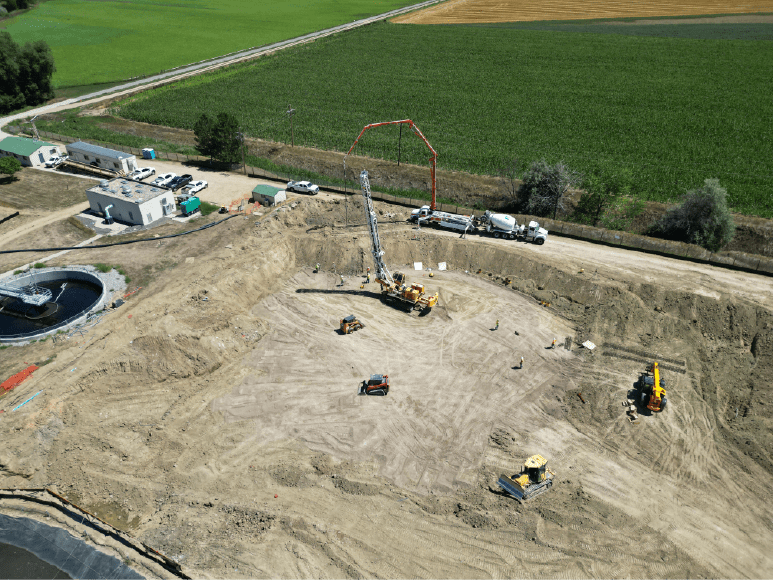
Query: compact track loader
(350, 324)
(376, 385)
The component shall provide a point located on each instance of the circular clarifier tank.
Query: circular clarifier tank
(39, 303)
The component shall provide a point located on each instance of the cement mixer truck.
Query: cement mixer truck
(501, 225)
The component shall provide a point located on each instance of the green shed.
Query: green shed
(28, 151)
(268, 194)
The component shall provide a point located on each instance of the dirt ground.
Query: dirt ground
(215, 415)
(472, 11)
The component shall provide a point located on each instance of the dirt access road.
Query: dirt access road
(215, 415)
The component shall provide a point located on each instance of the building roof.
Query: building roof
(22, 145)
(128, 190)
(100, 151)
(266, 190)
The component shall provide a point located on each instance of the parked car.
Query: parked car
(142, 173)
(55, 161)
(180, 181)
(196, 186)
(164, 179)
(303, 187)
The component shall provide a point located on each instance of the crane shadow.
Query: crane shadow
(366, 293)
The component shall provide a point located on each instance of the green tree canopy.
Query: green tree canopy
(703, 218)
(25, 73)
(219, 138)
(544, 187)
(603, 187)
(203, 131)
(9, 165)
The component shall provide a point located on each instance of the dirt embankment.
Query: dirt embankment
(131, 422)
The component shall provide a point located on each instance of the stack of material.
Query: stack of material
(18, 378)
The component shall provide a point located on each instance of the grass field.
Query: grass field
(674, 111)
(113, 40)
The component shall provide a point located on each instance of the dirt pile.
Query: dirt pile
(220, 422)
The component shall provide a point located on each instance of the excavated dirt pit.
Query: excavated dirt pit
(215, 416)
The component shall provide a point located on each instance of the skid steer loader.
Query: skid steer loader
(376, 385)
(535, 478)
(350, 324)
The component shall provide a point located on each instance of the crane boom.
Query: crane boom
(420, 135)
(381, 270)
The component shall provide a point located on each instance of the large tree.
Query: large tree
(703, 218)
(25, 73)
(219, 138)
(544, 187)
(203, 131)
(9, 166)
(604, 188)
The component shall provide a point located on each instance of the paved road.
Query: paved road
(202, 66)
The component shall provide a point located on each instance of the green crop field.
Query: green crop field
(675, 111)
(114, 40)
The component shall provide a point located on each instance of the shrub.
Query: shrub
(207, 208)
(703, 218)
(9, 165)
(39, 265)
(104, 268)
(544, 187)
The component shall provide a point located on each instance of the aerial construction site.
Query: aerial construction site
(226, 414)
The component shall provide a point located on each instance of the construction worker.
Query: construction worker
(497, 326)
(342, 279)
(520, 367)
(554, 344)
(317, 266)
(368, 278)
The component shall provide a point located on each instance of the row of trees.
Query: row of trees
(609, 199)
(11, 5)
(25, 73)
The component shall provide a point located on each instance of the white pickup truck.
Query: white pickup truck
(303, 187)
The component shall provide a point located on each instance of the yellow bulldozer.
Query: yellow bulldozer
(535, 478)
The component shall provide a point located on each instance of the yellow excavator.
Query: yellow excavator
(535, 478)
(652, 391)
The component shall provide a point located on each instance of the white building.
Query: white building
(131, 202)
(29, 152)
(102, 157)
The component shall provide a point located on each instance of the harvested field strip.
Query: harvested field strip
(467, 11)
(629, 102)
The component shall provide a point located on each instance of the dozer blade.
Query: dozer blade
(510, 487)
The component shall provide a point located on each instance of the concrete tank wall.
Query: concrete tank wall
(55, 275)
